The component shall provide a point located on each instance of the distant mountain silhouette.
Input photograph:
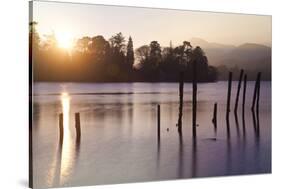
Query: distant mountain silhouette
(209, 45)
(249, 56)
(250, 51)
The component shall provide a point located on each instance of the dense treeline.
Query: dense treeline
(95, 59)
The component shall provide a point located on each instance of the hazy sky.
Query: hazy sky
(145, 24)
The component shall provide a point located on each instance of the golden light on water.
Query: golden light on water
(65, 102)
(67, 147)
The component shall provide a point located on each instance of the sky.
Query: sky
(147, 24)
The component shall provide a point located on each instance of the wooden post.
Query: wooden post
(214, 120)
(194, 99)
(238, 90)
(77, 126)
(181, 102)
(61, 127)
(258, 101)
(243, 102)
(255, 91)
(228, 94)
(228, 102)
(158, 122)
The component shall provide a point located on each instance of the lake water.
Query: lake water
(119, 133)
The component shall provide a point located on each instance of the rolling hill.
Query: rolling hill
(249, 56)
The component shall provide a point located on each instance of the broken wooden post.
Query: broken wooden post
(228, 102)
(238, 90)
(194, 99)
(255, 91)
(243, 101)
(61, 128)
(77, 125)
(214, 120)
(158, 122)
(181, 80)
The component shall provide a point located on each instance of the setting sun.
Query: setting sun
(65, 40)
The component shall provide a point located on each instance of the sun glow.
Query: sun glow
(65, 40)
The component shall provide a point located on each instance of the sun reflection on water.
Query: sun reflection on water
(65, 102)
(67, 147)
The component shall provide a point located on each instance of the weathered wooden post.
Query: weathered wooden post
(228, 102)
(214, 120)
(243, 101)
(77, 126)
(238, 90)
(181, 80)
(228, 94)
(158, 122)
(194, 98)
(255, 91)
(61, 128)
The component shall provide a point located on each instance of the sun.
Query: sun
(65, 40)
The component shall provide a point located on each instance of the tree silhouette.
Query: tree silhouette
(95, 59)
(201, 60)
(117, 42)
(99, 47)
(34, 39)
(33, 34)
(82, 44)
(155, 53)
(130, 53)
(142, 54)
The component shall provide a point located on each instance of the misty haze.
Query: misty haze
(126, 94)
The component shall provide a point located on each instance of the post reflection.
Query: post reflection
(227, 127)
(158, 154)
(256, 123)
(181, 154)
(194, 158)
(244, 124)
(237, 124)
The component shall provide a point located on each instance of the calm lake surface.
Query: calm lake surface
(119, 133)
